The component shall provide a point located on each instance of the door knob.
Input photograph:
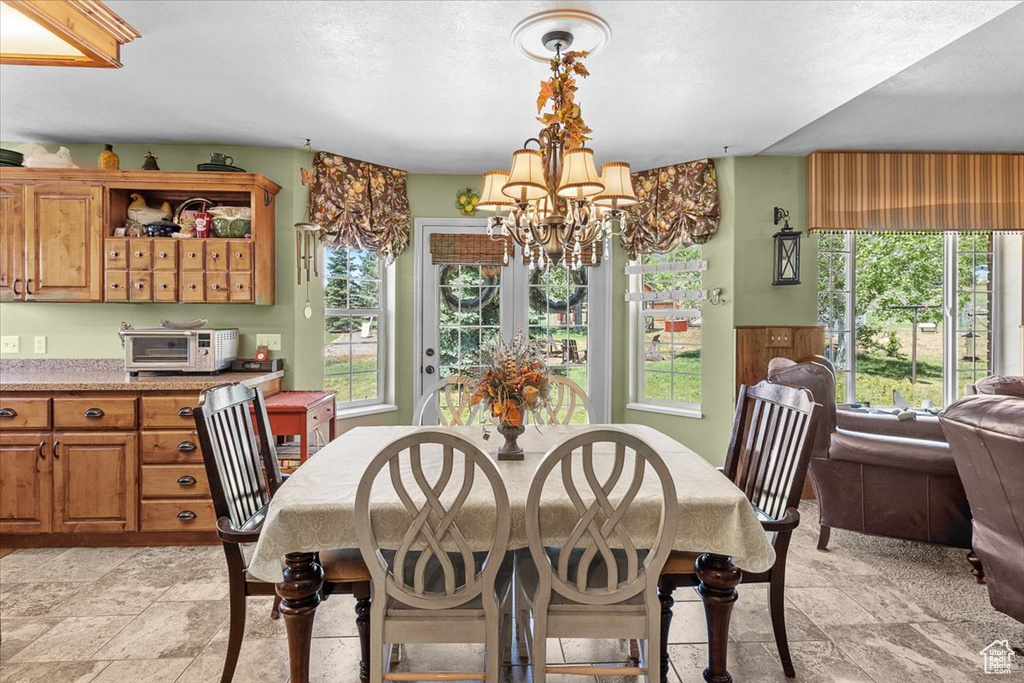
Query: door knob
(429, 352)
(429, 369)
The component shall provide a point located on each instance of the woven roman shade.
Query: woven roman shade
(915, 191)
(467, 249)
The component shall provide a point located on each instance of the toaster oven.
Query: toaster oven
(183, 351)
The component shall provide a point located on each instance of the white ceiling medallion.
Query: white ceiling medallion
(588, 32)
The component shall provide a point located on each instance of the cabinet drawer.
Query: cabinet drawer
(217, 288)
(241, 285)
(116, 254)
(169, 412)
(320, 416)
(140, 254)
(193, 286)
(174, 481)
(101, 412)
(217, 252)
(165, 285)
(192, 254)
(165, 254)
(117, 285)
(141, 285)
(170, 446)
(240, 255)
(24, 413)
(178, 515)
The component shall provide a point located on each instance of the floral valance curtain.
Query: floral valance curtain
(360, 205)
(676, 205)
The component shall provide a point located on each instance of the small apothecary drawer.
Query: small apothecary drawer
(178, 515)
(168, 412)
(20, 412)
(94, 412)
(174, 481)
(177, 446)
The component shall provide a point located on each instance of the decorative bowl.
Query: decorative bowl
(232, 227)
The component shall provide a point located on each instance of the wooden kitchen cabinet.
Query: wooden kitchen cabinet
(25, 482)
(63, 242)
(95, 479)
(12, 242)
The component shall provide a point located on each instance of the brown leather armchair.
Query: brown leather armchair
(877, 475)
(986, 436)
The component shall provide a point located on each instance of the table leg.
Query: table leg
(665, 597)
(361, 592)
(718, 580)
(300, 596)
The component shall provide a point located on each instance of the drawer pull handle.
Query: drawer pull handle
(114, 285)
(163, 254)
(16, 281)
(186, 447)
(139, 285)
(214, 255)
(8, 413)
(191, 254)
(186, 480)
(239, 286)
(138, 254)
(163, 285)
(115, 254)
(94, 413)
(216, 287)
(42, 456)
(239, 254)
(185, 412)
(186, 515)
(191, 286)
(56, 453)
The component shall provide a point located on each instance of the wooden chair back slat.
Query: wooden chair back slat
(433, 530)
(599, 532)
(451, 399)
(565, 399)
(773, 433)
(241, 465)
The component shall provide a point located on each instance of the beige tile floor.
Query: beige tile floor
(158, 615)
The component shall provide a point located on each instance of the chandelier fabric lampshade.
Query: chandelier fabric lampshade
(491, 196)
(580, 178)
(618, 186)
(526, 180)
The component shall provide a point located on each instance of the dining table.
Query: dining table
(314, 511)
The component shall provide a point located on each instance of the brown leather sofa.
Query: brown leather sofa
(986, 436)
(878, 475)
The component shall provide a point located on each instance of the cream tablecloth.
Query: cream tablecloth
(314, 510)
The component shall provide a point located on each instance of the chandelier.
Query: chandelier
(552, 202)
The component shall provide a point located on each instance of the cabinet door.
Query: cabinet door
(25, 482)
(12, 242)
(64, 238)
(95, 482)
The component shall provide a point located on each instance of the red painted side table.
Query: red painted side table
(301, 412)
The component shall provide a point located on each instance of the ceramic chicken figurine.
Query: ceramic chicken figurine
(142, 213)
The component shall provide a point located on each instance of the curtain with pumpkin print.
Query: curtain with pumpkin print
(675, 205)
(360, 205)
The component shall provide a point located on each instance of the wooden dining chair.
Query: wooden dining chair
(565, 399)
(772, 437)
(433, 586)
(590, 580)
(451, 398)
(243, 472)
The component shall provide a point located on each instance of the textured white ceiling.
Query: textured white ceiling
(437, 87)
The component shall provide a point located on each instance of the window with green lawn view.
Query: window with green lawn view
(668, 327)
(882, 298)
(354, 327)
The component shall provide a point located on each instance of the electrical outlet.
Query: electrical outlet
(271, 341)
(40, 344)
(10, 344)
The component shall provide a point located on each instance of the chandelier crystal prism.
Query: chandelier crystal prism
(553, 202)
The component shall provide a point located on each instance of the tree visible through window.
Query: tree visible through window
(354, 327)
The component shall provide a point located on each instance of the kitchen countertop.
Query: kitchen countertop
(106, 374)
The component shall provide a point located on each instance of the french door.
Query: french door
(464, 309)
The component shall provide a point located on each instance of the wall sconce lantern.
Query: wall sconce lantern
(787, 251)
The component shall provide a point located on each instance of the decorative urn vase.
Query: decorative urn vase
(510, 450)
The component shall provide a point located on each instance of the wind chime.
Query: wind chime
(307, 235)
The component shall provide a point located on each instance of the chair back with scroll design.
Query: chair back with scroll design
(451, 399)
(566, 399)
(241, 463)
(772, 439)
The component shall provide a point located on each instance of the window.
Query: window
(906, 312)
(666, 299)
(355, 329)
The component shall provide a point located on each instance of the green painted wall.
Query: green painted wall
(739, 261)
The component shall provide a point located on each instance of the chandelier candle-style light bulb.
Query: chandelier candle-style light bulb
(580, 179)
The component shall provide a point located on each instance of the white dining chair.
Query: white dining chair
(590, 580)
(432, 587)
(451, 399)
(565, 399)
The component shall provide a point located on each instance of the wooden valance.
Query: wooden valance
(467, 249)
(675, 205)
(360, 205)
(915, 191)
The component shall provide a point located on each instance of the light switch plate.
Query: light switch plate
(10, 344)
(271, 341)
(40, 344)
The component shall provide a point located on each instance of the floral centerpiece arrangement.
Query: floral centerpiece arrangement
(511, 382)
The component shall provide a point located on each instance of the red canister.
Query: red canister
(204, 223)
